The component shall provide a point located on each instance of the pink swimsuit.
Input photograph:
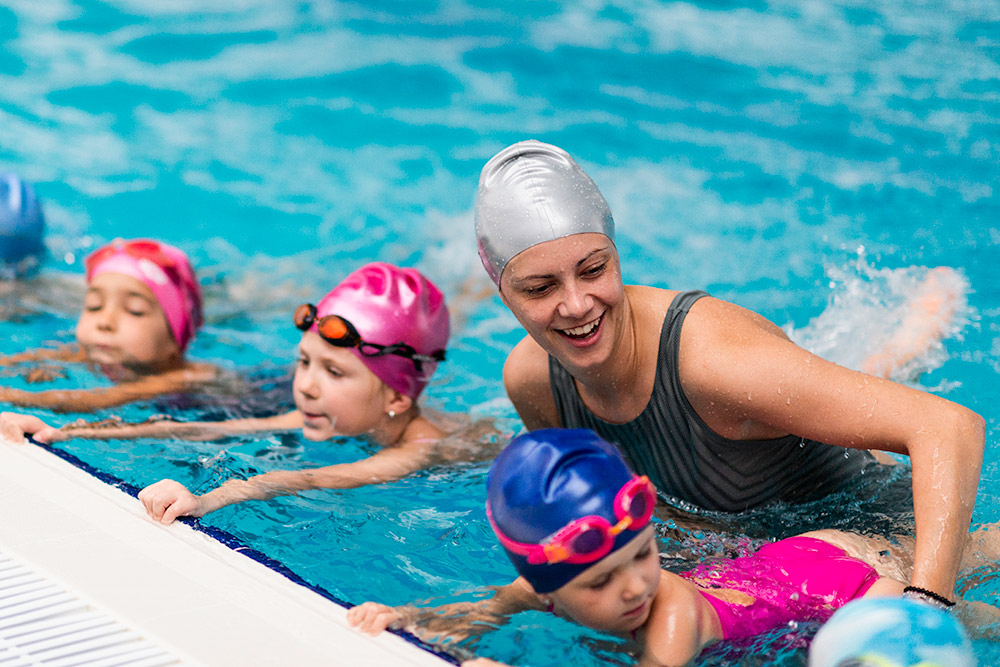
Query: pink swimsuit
(797, 579)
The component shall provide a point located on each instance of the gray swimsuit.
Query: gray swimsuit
(686, 459)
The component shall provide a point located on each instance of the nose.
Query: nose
(107, 319)
(576, 300)
(305, 383)
(634, 584)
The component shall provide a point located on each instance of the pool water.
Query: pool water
(797, 158)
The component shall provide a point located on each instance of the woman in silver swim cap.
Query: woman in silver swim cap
(713, 402)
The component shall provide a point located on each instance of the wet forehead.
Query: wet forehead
(120, 284)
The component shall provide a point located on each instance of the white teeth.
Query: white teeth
(585, 329)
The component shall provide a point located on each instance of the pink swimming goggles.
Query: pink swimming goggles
(588, 538)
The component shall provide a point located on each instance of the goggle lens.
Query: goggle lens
(637, 508)
(337, 331)
(304, 316)
(589, 541)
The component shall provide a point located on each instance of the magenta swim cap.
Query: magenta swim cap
(390, 305)
(165, 270)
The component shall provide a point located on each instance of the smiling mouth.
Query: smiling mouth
(582, 331)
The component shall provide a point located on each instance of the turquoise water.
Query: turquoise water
(793, 157)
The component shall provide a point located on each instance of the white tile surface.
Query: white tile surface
(206, 603)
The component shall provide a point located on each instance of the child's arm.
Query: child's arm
(14, 427)
(68, 353)
(166, 500)
(89, 400)
(455, 621)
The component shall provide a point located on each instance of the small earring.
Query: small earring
(392, 413)
(549, 605)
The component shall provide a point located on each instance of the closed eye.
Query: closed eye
(596, 270)
(538, 290)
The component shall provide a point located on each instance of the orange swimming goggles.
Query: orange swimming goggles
(339, 332)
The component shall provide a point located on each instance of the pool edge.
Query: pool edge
(204, 600)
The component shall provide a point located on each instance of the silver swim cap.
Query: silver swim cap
(530, 193)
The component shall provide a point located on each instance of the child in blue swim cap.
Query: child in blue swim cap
(22, 224)
(575, 522)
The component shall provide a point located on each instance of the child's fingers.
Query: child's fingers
(156, 498)
(14, 426)
(482, 662)
(184, 505)
(372, 617)
(49, 434)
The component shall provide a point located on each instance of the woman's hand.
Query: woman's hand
(166, 500)
(14, 427)
(373, 618)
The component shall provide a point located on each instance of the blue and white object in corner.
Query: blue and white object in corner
(21, 225)
(891, 632)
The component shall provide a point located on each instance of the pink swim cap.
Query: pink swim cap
(390, 305)
(165, 270)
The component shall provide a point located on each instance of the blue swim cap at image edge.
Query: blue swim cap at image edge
(891, 632)
(545, 479)
(22, 222)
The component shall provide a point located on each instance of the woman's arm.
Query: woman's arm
(748, 381)
(14, 427)
(166, 500)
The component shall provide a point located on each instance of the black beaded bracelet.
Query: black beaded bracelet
(929, 596)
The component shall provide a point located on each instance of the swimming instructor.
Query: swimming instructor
(713, 402)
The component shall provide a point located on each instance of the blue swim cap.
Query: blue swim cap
(21, 221)
(891, 632)
(545, 479)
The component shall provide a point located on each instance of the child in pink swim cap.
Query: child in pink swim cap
(575, 522)
(141, 310)
(367, 351)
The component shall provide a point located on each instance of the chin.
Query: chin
(315, 434)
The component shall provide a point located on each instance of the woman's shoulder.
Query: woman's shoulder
(650, 297)
(527, 362)
(526, 380)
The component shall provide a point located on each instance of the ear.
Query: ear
(397, 402)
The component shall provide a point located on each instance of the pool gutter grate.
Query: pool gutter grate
(43, 625)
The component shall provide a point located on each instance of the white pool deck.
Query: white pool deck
(173, 587)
